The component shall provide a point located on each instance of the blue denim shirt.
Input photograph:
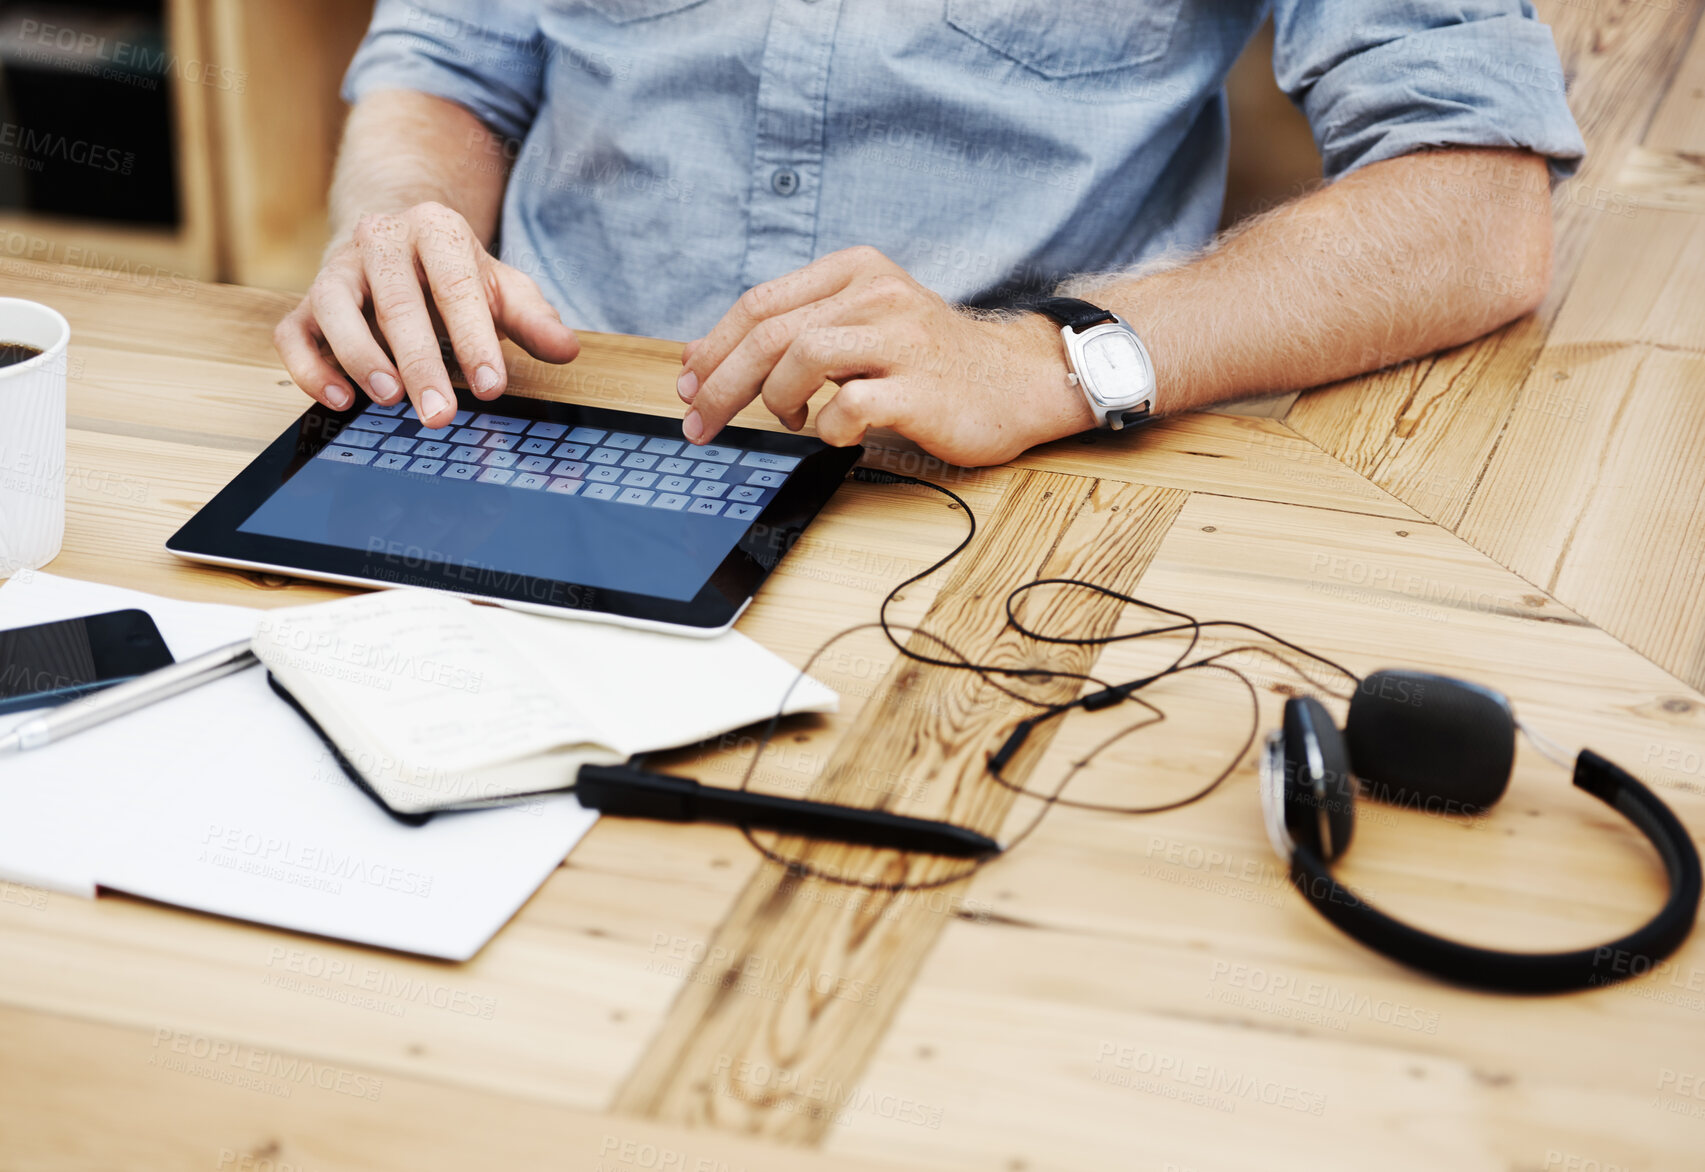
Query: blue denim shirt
(668, 154)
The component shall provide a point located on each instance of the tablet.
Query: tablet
(543, 506)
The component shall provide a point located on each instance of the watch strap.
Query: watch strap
(1072, 313)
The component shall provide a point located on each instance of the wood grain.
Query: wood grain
(704, 1065)
(1425, 430)
(1017, 1021)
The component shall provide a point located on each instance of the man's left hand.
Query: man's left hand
(968, 391)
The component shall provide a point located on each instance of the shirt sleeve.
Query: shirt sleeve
(488, 58)
(1382, 78)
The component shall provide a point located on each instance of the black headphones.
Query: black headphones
(1443, 743)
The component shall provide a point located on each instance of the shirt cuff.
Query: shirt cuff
(491, 65)
(1487, 83)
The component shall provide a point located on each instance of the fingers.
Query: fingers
(818, 280)
(524, 314)
(298, 345)
(450, 258)
(737, 380)
(336, 303)
(400, 307)
(859, 405)
(823, 354)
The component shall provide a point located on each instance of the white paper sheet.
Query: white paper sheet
(222, 799)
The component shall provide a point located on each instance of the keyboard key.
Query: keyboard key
(670, 500)
(625, 440)
(429, 448)
(496, 476)
(709, 489)
(634, 496)
(461, 418)
(605, 456)
(468, 455)
(601, 492)
(604, 474)
(375, 423)
(587, 435)
(503, 443)
(434, 433)
(470, 435)
(710, 471)
(675, 466)
(742, 512)
(357, 438)
(391, 460)
(500, 459)
(529, 480)
(427, 467)
(705, 507)
(536, 447)
(396, 408)
(675, 484)
(638, 460)
(461, 472)
(720, 455)
(397, 443)
(744, 492)
(572, 468)
(766, 479)
(662, 447)
(565, 485)
(770, 461)
(640, 479)
(571, 451)
(503, 423)
(548, 431)
(535, 464)
(339, 455)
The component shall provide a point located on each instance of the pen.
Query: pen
(119, 699)
(636, 793)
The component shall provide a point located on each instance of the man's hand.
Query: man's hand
(968, 391)
(406, 269)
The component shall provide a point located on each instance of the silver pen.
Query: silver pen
(118, 699)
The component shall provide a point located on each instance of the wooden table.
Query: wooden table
(1119, 992)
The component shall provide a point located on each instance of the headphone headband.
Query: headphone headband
(1531, 972)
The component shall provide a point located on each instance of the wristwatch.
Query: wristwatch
(1109, 363)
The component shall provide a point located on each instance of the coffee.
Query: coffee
(12, 353)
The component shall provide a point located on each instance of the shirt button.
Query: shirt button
(784, 181)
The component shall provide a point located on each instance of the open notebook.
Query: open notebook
(436, 703)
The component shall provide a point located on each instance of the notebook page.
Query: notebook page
(420, 696)
(647, 690)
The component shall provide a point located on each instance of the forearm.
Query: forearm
(1396, 260)
(402, 148)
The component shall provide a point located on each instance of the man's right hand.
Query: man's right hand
(403, 268)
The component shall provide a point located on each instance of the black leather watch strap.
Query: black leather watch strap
(1070, 312)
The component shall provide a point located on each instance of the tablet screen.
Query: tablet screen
(618, 510)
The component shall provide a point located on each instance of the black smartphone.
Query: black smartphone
(51, 663)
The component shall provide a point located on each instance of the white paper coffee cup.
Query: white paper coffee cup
(32, 437)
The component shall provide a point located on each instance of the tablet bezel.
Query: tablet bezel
(213, 536)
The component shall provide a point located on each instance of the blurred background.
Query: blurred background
(195, 138)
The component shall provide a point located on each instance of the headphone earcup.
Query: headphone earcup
(1320, 791)
(1440, 744)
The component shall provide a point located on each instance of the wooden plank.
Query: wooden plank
(1595, 491)
(180, 1099)
(1426, 430)
(701, 1067)
(1159, 971)
(1239, 455)
(1671, 181)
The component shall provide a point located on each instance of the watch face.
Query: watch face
(1114, 367)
